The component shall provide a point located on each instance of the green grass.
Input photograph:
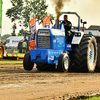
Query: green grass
(16, 55)
(92, 98)
(11, 62)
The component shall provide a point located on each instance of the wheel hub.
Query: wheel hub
(66, 63)
(91, 54)
(1, 51)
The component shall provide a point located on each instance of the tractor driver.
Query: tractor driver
(67, 25)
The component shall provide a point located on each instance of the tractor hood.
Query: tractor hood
(50, 32)
(50, 38)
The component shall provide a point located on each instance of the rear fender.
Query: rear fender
(77, 38)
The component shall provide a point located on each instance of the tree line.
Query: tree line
(23, 10)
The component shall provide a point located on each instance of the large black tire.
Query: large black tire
(27, 63)
(63, 63)
(1, 51)
(98, 57)
(45, 67)
(20, 47)
(85, 55)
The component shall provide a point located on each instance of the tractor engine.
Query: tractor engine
(43, 38)
(50, 39)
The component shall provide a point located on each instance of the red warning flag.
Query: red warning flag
(46, 21)
(32, 21)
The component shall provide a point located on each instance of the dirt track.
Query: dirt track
(18, 84)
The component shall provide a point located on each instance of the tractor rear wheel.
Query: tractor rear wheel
(45, 67)
(20, 47)
(85, 55)
(27, 63)
(63, 63)
(1, 51)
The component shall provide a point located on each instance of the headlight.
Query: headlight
(78, 34)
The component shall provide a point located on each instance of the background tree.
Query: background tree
(4, 37)
(24, 10)
(22, 32)
(15, 12)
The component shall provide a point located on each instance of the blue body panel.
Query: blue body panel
(61, 27)
(45, 56)
(57, 42)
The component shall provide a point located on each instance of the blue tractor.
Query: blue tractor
(79, 53)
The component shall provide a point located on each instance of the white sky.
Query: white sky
(89, 10)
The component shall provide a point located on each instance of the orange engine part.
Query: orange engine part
(32, 44)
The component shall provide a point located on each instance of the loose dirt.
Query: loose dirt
(18, 84)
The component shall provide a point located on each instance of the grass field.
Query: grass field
(92, 98)
(16, 54)
(11, 62)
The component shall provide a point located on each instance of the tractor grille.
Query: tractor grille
(43, 41)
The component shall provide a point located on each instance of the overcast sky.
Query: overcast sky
(89, 10)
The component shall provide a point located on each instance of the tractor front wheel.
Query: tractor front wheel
(1, 50)
(63, 63)
(27, 63)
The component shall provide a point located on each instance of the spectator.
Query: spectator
(24, 47)
(4, 43)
